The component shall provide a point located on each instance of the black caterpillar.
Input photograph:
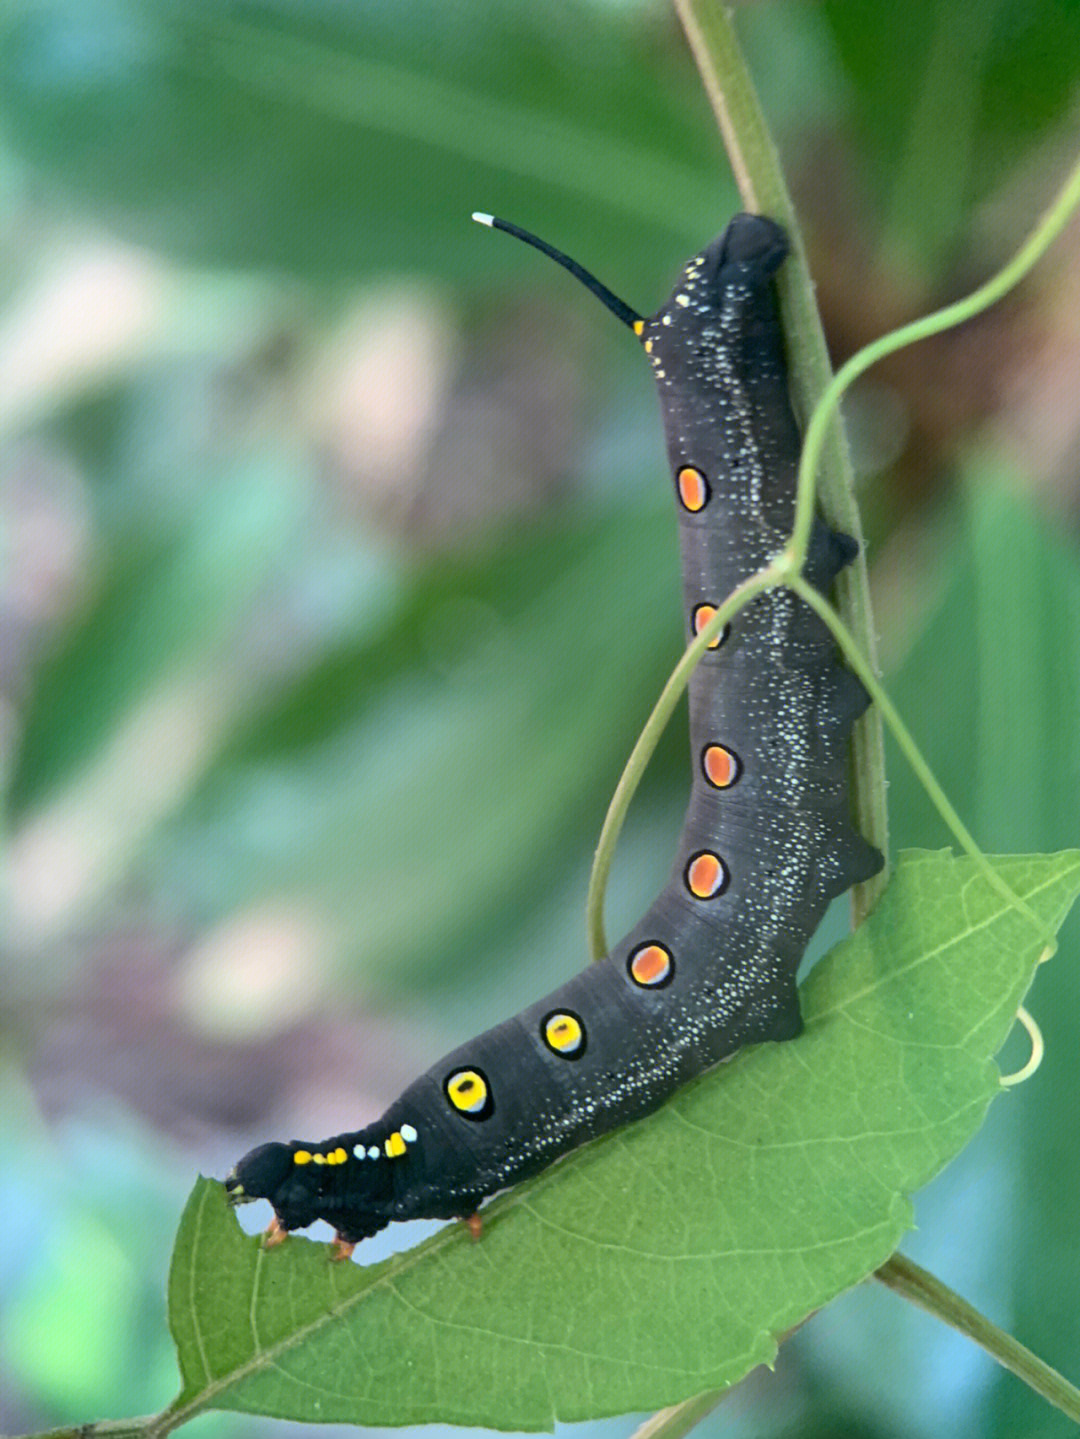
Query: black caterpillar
(767, 841)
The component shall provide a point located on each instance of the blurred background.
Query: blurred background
(339, 575)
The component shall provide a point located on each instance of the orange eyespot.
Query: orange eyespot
(706, 875)
(651, 966)
(565, 1034)
(701, 617)
(693, 489)
(720, 766)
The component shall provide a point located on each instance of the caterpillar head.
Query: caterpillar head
(305, 1182)
(271, 1172)
(262, 1174)
(716, 335)
(718, 328)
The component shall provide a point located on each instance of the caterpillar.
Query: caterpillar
(766, 843)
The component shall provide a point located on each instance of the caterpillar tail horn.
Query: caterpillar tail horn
(619, 308)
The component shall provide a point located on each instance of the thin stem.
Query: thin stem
(761, 183)
(646, 742)
(710, 33)
(679, 1419)
(141, 1428)
(727, 83)
(1038, 1048)
(1053, 221)
(739, 117)
(910, 749)
(921, 1288)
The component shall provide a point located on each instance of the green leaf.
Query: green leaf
(949, 99)
(161, 603)
(661, 1260)
(330, 137)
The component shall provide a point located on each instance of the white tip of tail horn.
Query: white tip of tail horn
(482, 219)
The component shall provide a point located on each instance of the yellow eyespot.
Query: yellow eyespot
(565, 1034)
(468, 1091)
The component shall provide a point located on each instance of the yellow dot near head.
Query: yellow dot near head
(650, 965)
(639, 326)
(701, 617)
(301, 1157)
(467, 1091)
(706, 875)
(720, 766)
(693, 489)
(648, 346)
(318, 1159)
(340, 1156)
(563, 1033)
(395, 1145)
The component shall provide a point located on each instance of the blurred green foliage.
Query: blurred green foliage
(338, 580)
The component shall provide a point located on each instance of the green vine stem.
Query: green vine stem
(919, 1287)
(1050, 225)
(148, 1426)
(910, 750)
(647, 740)
(756, 165)
(710, 33)
(786, 568)
(679, 1419)
(760, 178)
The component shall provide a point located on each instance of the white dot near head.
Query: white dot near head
(373, 1152)
(359, 1151)
(408, 1133)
